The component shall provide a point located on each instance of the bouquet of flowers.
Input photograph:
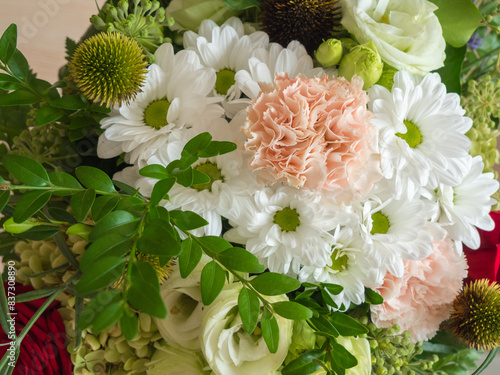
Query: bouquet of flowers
(255, 187)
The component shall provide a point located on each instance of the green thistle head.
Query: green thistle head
(108, 68)
(475, 318)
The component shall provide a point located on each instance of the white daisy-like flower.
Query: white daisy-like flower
(267, 62)
(351, 265)
(422, 133)
(467, 205)
(227, 50)
(174, 96)
(285, 228)
(394, 228)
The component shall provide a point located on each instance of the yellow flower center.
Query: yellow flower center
(225, 79)
(380, 223)
(339, 262)
(287, 219)
(155, 115)
(212, 171)
(412, 136)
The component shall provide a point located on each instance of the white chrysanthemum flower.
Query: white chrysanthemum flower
(285, 228)
(351, 265)
(266, 63)
(422, 133)
(174, 97)
(394, 228)
(227, 50)
(467, 205)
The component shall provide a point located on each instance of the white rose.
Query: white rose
(229, 349)
(407, 34)
(171, 360)
(182, 299)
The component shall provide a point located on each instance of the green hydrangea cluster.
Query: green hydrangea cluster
(143, 22)
(394, 354)
(109, 352)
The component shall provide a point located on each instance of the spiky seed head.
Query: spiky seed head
(109, 68)
(475, 317)
(308, 21)
(163, 272)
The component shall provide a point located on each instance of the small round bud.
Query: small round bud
(363, 61)
(329, 52)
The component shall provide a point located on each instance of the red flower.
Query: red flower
(43, 350)
(484, 263)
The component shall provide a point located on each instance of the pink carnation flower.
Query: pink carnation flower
(313, 133)
(421, 299)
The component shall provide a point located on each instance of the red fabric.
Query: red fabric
(484, 263)
(43, 350)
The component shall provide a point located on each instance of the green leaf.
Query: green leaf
(8, 43)
(333, 288)
(270, 331)
(327, 298)
(187, 220)
(217, 148)
(346, 325)
(459, 19)
(213, 278)
(26, 170)
(9, 83)
(108, 316)
(94, 178)
(60, 214)
(96, 305)
(127, 189)
(72, 102)
(103, 205)
(18, 97)
(274, 284)
(303, 364)
(292, 310)
(451, 71)
(249, 309)
(4, 198)
(239, 259)
(183, 177)
(18, 65)
(341, 356)
(30, 203)
(46, 115)
(189, 257)
(213, 245)
(129, 324)
(324, 325)
(189, 153)
(372, 297)
(80, 230)
(155, 171)
(120, 222)
(81, 203)
(112, 245)
(35, 294)
(242, 4)
(102, 274)
(160, 190)
(39, 233)
(200, 178)
(159, 238)
(62, 179)
(144, 293)
(4, 308)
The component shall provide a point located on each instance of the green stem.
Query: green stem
(491, 356)
(53, 188)
(466, 67)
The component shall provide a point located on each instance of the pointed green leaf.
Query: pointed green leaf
(189, 257)
(18, 97)
(217, 148)
(95, 178)
(242, 4)
(96, 305)
(249, 309)
(39, 233)
(107, 317)
(127, 189)
(46, 115)
(160, 190)
(120, 222)
(274, 284)
(72, 102)
(212, 280)
(8, 43)
(187, 220)
(155, 171)
(103, 273)
(270, 331)
(372, 297)
(239, 259)
(26, 170)
(81, 203)
(34, 294)
(103, 205)
(292, 310)
(333, 288)
(30, 203)
(80, 230)
(327, 298)
(110, 245)
(213, 245)
(322, 324)
(144, 293)
(18, 65)
(342, 357)
(346, 325)
(159, 238)
(60, 214)
(303, 364)
(451, 72)
(129, 324)
(9, 83)
(189, 153)
(62, 179)
(4, 198)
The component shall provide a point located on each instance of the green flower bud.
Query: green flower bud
(363, 61)
(387, 77)
(329, 52)
(97, 22)
(348, 44)
(188, 14)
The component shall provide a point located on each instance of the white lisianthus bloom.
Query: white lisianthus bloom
(228, 349)
(360, 348)
(407, 34)
(172, 360)
(227, 50)
(467, 205)
(174, 97)
(422, 129)
(182, 299)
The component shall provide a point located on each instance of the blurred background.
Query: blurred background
(43, 26)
